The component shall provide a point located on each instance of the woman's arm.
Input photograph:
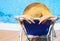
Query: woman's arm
(45, 18)
(27, 18)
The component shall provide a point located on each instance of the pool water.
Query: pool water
(11, 8)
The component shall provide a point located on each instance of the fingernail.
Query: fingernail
(30, 23)
(33, 22)
(39, 23)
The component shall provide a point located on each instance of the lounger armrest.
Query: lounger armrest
(53, 19)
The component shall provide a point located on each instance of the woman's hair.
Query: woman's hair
(35, 4)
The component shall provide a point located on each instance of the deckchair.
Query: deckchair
(37, 30)
(46, 27)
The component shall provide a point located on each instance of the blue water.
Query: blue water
(11, 8)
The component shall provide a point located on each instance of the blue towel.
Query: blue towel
(37, 29)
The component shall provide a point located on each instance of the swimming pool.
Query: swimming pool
(11, 8)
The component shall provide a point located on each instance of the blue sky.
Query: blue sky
(11, 8)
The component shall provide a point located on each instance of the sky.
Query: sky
(11, 8)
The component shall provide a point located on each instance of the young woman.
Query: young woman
(36, 10)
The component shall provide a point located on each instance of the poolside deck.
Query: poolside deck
(6, 35)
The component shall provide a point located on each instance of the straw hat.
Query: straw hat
(35, 7)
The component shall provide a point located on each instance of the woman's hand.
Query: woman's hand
(44, 19)
(29, 19)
